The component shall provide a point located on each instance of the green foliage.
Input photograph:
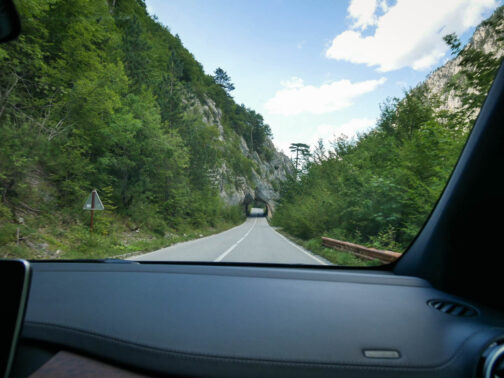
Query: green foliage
(301, 153)
(250, 125)
(223, 79)
(95, 94)
(363, 190)
(453, 42)
(478, 70)
(379, 189)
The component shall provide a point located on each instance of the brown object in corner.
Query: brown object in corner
(66, 364)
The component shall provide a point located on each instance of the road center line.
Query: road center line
(235, 244)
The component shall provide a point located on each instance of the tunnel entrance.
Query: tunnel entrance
(256, 208)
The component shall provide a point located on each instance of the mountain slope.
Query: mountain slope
(462, 83)
(98, 94)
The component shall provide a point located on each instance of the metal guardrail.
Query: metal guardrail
(361, 251)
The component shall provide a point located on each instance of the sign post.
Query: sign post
(93, 202)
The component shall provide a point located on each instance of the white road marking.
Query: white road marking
(298, 247)
(235, 244)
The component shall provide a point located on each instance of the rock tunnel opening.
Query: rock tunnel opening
(256, 207)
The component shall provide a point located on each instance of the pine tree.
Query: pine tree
(223, 79)
(302, 151)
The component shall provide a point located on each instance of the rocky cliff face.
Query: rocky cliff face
(487, 38)
(264, 181)
(264, 184)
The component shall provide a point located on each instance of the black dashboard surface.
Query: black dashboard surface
(254, 321)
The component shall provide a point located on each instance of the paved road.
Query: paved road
(253, 241)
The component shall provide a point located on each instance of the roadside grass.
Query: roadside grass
(54, 238)
(335, 256)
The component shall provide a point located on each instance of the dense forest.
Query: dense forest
(379, 188)
(98, 94)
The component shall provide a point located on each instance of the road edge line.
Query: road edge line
(322, 262)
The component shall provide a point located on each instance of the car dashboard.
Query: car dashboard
(252, 321)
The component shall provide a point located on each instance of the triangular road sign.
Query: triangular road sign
(98, 205)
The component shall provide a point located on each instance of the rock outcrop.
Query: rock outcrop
(264, 182)
(487, 38)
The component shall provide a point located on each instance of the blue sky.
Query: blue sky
(319, 69)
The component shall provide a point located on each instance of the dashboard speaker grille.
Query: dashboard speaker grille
(452, 308)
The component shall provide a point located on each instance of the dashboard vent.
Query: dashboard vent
(452, 308)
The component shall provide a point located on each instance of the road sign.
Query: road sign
(93, 202)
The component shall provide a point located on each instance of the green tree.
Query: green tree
(136, 50)
(223, 79)
(453, 42)
(301, 152)
(170, 93)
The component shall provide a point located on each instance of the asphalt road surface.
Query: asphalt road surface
(252, 241)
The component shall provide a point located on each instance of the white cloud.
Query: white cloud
(350, 129)
(296, 97)
(363, 13)
(293, 83)
(408, 34)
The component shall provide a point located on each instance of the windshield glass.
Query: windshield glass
(236, 131)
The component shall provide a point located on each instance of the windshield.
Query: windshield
(236, 131)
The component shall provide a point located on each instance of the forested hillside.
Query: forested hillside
(379, 189)
(98, 94)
